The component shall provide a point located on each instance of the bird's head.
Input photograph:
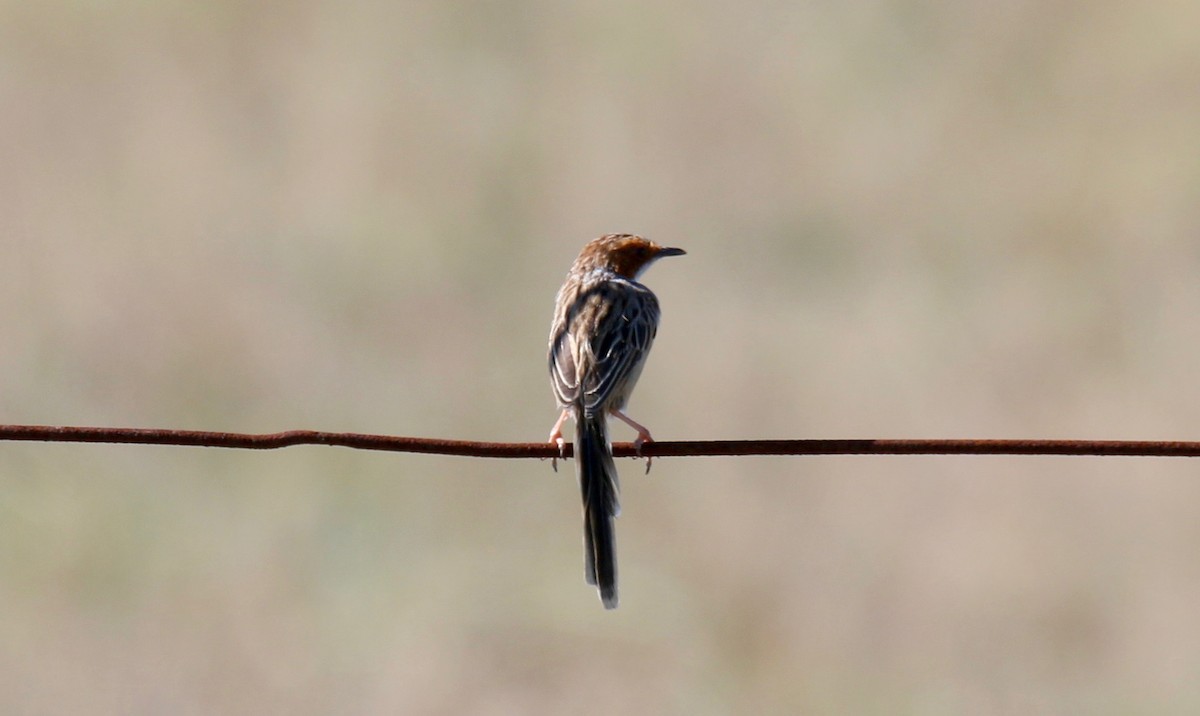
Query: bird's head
(625, 254)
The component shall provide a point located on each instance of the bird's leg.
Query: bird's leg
(556, 437)
(643, 435)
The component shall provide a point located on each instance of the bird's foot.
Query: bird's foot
(643, 435)
(562, 450)
(643, 438)
(556, 437)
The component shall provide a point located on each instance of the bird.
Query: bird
(604, 324)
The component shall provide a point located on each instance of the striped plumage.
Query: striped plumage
(604, 324)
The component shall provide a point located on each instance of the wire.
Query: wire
(684, 448)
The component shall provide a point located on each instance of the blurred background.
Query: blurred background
(903, 219)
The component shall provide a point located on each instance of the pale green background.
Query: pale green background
(903, 219)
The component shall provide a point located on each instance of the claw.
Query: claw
(643, 435)
(556, 437)
(562, 450)
(642, 439)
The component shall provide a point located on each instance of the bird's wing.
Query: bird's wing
(562, 365)
(626, 322)
(600, 337)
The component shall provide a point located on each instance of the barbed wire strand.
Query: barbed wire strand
(666, 448)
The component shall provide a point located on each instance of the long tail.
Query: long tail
(598, 483)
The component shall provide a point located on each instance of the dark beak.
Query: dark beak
(668, 251)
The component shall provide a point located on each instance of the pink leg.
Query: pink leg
(556, 437)
(643, 435)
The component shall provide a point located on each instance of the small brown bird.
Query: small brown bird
(604, 324)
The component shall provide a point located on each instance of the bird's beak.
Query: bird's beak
(668, 251)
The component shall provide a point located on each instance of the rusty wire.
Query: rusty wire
(683, 448)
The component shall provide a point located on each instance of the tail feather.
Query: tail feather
(598, 483)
